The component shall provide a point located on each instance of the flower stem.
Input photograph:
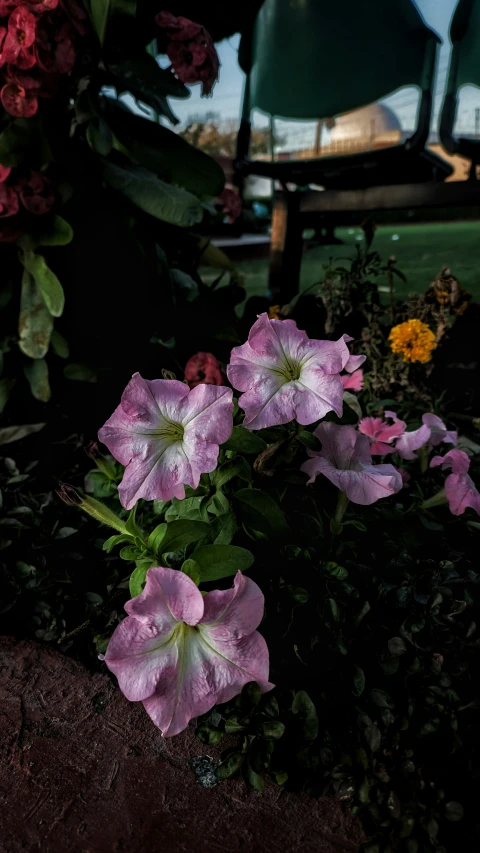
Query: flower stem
(440, 499)
(342, 503)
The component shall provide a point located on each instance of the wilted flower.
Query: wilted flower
(460, 490)
(190, 50)
(9, 205)
(345, 459)
(18, 101)
(36, 193)
(180, 653)
(413, 340)
(203, 369)
(285, 376)
(166, 436)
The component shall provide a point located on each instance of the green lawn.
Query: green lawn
(421, 251)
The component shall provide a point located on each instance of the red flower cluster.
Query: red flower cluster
(28, 192)
(36, 36)
(191, 51)
(231, 203)
(204, 369)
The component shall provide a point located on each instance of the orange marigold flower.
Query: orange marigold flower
(274, 312)
(413, 340)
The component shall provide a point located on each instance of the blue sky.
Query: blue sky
(227, 95)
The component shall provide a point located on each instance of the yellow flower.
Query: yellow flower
(414, 340)
(274, 312)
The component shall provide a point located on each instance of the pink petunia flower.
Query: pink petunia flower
(285, 376)
(460, 490)
(203, 368)
(438, 431)
(180, 653)
(18, 45)
(9, 205)
(191, 51)
(345, 459)
(166, 436)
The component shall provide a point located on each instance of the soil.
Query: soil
(83, 770)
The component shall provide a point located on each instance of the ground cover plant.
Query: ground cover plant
(291, 563)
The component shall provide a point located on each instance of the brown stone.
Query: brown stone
(84, 771)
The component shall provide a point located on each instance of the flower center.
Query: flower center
(290, 369)
(170, 432)
(21, 35)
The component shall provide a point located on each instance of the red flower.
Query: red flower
(4, 173)
(232, 204)
(191, 51)
(40, 6)
(55, 49)
(17, 47)
(36, 193)
(9, 205)
(203, 369)
(18, 101)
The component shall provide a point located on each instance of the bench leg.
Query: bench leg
(286, 248)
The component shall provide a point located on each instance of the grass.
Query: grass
(421, 251)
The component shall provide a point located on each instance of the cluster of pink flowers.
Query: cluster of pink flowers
(22, 193)
(37, 45)
(394, 438)
(179, 651)
(191, 51)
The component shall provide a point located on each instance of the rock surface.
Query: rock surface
(83, 770)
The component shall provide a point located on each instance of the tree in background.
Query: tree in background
(219, 138)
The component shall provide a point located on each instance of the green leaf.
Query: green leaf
(358, 681)
(218, 505)
(352, 401)
(183, 532)
(221, 561)
(15, 433)
(37, 375)
(336, 571)
(59, 344)
(101, 11)
(244, 441)
(230, 766)
(334, 609)
(118, 539)
(6, 386)
(230, 469)
(373, 737)
(260, 512)
(164, 153)
(35, 323)
(156, 538)
(252, 778)
(233, 725)
(144, 77)
(137, 580)
(15, 141)
(208, 734)
(305, 710)
(80, 373)
(226, 525)
(191, 568)
(273, 729)
(396, 646)
(47, 282)
(381, 699)
(60, 233)
(161, 200)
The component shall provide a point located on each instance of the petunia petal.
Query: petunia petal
(235, 612)
(157, 470)
(169, 596)
(457, 460)
(406, 445)
(208, 411)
